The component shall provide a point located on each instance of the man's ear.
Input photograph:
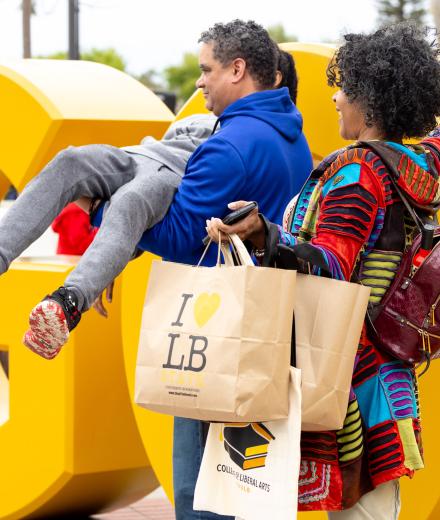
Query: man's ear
(238, 69)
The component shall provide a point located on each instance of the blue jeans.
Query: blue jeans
(188, 447)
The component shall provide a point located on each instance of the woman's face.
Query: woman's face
(351, 120)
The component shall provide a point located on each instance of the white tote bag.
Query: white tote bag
(251, 470)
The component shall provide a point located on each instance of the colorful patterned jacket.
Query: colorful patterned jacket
(349, 217)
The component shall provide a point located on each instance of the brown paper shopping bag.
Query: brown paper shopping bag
(329, 315)
(215, 342)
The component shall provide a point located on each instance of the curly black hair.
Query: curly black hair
(394, 75)
(246, 40)
(289, 78)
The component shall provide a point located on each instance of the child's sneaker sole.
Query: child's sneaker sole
(48, 330)
(38, 347)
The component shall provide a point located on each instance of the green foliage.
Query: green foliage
(181, 78)
(151, 79)
(33, 8)
(60, 55)
(106, 56)
(279, 34)
(394, 11)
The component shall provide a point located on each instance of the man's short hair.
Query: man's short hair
(246, 40)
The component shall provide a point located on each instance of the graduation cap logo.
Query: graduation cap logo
(247, 444)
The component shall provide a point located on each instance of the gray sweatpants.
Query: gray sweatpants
(140, 191)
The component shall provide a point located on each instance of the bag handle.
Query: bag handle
(235, 253)
(206, 250)
(239, 252)
(228, 256)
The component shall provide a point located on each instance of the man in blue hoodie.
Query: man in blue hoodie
(258, 153)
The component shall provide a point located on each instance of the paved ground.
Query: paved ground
(153, 507)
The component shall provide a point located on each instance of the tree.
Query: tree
(151, 79)
(394, 11)
(182, 78)
(279, 34)
(28, 8)
(106, 56)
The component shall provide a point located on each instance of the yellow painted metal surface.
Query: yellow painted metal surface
(71, 443)
(47, 105)
(75, 440)
(194, 105)
(156, 429)
(315, 97)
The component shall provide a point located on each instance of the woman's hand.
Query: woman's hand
(249, 228)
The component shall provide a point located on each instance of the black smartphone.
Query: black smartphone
(239, 214)
(235, 216)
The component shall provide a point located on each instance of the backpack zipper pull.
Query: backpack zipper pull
(423, 339)
(433, 308)
(428, 342)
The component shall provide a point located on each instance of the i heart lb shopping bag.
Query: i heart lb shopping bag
(215, 342)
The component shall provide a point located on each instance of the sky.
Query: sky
(153, 34)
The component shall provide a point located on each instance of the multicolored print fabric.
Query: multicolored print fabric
(349, 213)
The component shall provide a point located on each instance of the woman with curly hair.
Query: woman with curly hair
(347, 219)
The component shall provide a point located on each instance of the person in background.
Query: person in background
(11, 194)
(286, 74)
(74, 230)
(349, 217)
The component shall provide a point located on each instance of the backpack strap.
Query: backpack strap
(390, 157)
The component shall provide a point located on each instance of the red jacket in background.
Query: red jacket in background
(74, 230)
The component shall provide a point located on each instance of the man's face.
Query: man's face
(216, 81)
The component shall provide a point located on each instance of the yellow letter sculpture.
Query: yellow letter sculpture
(71, 443)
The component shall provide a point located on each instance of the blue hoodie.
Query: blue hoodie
(259, 153)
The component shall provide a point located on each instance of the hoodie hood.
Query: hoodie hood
(274, 107)
(415, 168)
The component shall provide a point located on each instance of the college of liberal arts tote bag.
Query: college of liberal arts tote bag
(251, 470)
(215, 342)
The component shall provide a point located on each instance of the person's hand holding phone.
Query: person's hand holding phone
(248, 227)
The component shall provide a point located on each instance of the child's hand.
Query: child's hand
(98, 304)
